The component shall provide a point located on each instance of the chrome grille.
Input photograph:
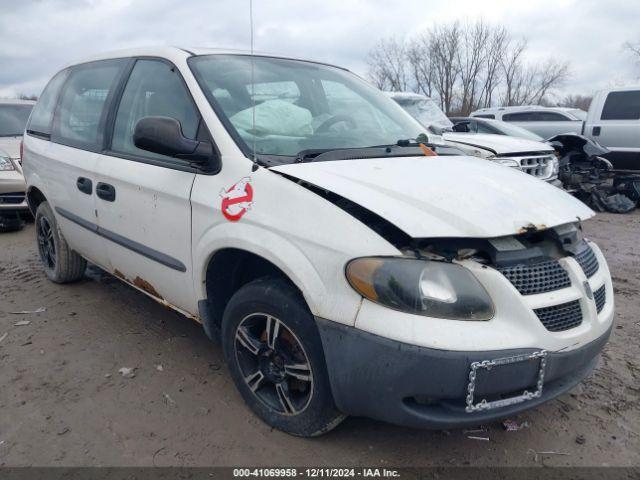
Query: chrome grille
(560, 317)
(588, 261)
(600, 296)
(540, 166)
(537, 278)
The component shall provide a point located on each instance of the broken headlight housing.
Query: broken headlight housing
(422, 287)
(506, 162)
(6, 164)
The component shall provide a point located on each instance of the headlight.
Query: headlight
(6, 164)
(507, 162)
(423, 287)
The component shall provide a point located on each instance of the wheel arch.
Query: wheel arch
(34, 198)
(226, 268)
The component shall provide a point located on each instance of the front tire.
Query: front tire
(274, 353)
(61, 264)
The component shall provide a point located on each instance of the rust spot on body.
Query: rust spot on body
(142, 284)
(119, 274)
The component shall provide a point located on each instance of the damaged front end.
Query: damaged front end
(589, 176)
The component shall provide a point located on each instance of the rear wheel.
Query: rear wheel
(275, 357)
(61, 264)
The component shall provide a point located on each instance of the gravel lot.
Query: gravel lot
(63, 402)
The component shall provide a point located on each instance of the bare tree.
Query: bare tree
(388, 65)
(576, 101)
(465, 67)
(444, 42)
(511, 64)
(633, 49)
(471, 58)
(422, 71)
(529, 84)
(496, 49)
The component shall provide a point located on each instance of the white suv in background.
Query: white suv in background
(344, 268)
(545, 121)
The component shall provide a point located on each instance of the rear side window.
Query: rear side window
(42, 114)
(81, 108)
(550, 117)
(154, 89)
(621, 106)
(519, 117)
(486, 115)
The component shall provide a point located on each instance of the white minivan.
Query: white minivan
(345, 268)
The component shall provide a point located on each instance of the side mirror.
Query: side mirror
(163, 135)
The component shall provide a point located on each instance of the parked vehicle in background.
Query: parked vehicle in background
(13, 204)
(530, 156)
(345, 269)
(544, 121)
(495, 127)
(614, 122)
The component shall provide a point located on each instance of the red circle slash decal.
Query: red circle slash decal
(237, 200)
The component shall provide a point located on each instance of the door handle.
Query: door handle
(84, 185)
(596, 131)
(106, 192)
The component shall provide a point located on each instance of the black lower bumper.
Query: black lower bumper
(414, 386)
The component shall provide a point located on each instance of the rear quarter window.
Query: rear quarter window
(486, 115)
(622, 106)
(42, 113)
(518, 117)
(81, 108)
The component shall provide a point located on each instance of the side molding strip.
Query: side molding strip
(143, 250)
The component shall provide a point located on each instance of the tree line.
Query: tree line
(466, 66)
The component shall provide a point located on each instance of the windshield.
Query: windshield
(13, 119)
(425, 110)
(511, 130)
(298, 105)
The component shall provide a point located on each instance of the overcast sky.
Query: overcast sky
(40, 36)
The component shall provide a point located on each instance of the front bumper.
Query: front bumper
(422, 387)
(12, 193)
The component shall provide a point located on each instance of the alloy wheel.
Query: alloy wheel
(46, 244)
(274, 364)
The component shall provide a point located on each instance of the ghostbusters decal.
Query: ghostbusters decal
(237, 200)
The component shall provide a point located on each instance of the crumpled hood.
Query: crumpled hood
(444, 196)
(10, 146)
(500, 144)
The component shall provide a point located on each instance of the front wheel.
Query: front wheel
(275, 357)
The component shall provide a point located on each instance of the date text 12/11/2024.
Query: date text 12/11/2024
(315, 472)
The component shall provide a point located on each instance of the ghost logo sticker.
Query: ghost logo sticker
(237, 200)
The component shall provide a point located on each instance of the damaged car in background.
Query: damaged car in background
(587, 174)
(533, 157)
(345, 268)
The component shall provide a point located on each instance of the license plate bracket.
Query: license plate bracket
(504, 402)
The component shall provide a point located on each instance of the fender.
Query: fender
(341, 304)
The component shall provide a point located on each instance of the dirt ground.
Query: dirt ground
(63, 402)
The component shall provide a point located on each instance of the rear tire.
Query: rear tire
(61, 264)
(274, 353)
